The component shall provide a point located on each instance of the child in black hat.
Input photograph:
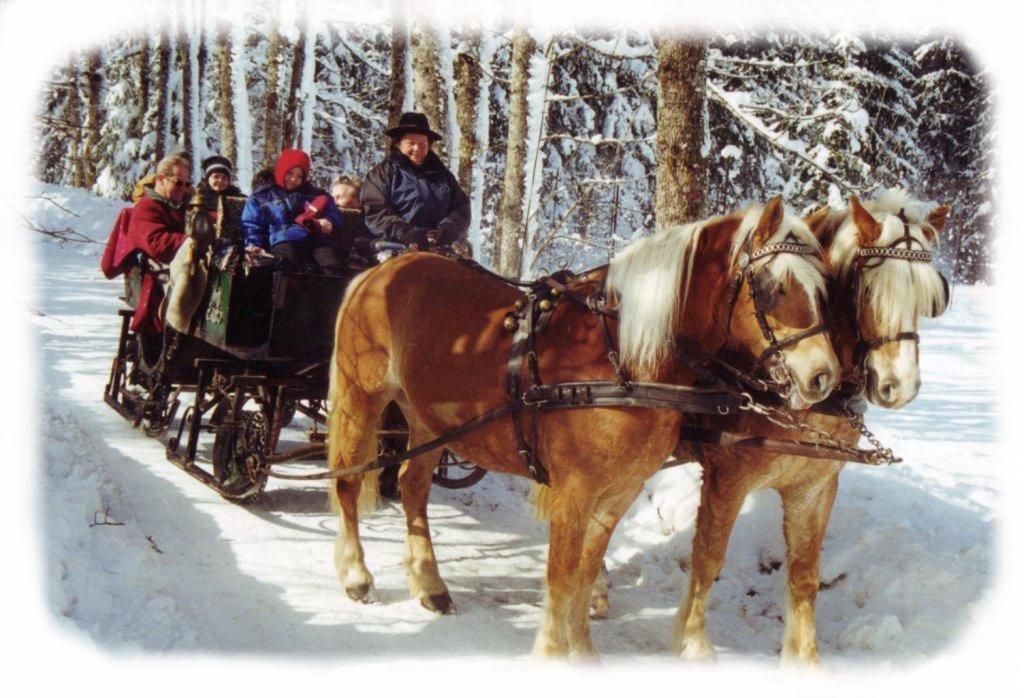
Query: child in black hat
(217, 178)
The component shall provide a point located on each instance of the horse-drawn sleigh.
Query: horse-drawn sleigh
(255, 352)
(711, 341)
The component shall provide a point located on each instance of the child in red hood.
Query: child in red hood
(293, 219)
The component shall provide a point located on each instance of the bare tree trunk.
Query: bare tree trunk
(431, 97)
(467, 97)
(508, 238)
(185, 65)
(93, 116)
(399, 57)
(158, 120)
(73, 112)
(225, 96)
(290, 131)
(682, 175)
(271, 112)
(201, 52)
(142, 77)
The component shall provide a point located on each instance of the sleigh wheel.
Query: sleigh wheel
(239, 454)
(456, 474)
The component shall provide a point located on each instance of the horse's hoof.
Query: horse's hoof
(361, 593)
(809, 660)
(697, 651)
(438, 603)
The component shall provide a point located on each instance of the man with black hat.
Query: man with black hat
(412, 197)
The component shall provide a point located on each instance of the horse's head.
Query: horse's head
(776, 301)
(751, 281)
(881, 256)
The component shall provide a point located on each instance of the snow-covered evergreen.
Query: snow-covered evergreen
(814, 117)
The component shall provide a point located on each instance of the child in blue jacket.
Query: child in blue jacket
(292, 219)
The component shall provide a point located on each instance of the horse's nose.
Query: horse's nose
(887, 392)
(821, 384)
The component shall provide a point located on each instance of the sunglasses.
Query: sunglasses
(175, 182)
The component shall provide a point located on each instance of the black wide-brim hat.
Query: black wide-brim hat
(413, 122)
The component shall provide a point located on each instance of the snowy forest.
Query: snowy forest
(563, 141)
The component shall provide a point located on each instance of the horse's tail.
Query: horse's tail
(368, 499)
(540, 498)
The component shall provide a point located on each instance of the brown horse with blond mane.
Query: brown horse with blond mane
(427, 332)
(881, 283)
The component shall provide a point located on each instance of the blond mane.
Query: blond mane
(900, 291)
(650, 281)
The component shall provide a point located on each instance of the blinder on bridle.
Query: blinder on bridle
(764, 297)
(910, 255)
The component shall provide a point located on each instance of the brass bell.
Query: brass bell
(554, 293)
(519, 305)
(544, 305)
(510, 323)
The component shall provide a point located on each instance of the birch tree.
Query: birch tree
(681, 175)
(508, 242)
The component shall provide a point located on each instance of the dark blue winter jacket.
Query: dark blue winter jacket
(403, 202)
(269, 214)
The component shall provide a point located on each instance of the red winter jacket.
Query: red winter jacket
(156, 229)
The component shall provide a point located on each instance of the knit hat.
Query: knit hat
(216, 163)
(288, 159)
(413, 122)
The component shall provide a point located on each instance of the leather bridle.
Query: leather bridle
(893, 250)
(747, 272)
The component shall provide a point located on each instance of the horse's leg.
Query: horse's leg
(805, 515)
(571, 506)
(719, 507)
(600, 527)
(425, 581)
(539, 495)
(355, 416)
(599, 607)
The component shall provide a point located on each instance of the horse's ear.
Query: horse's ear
(771, 219)
(868, 228)
(937, 220)
(816, 221)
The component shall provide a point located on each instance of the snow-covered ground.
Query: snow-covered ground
(138, 555)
